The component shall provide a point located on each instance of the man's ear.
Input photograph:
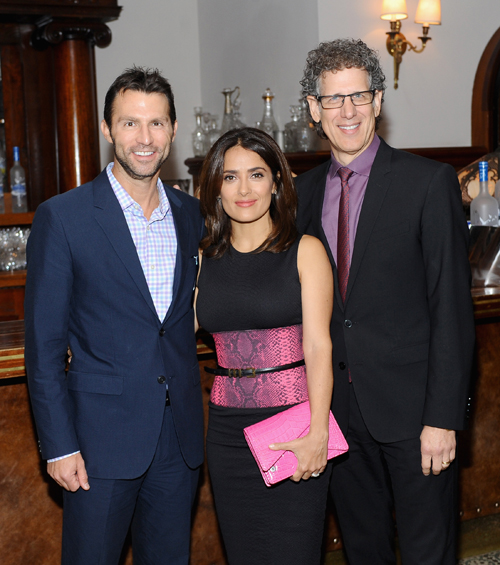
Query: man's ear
(105, 131)
(314, 108)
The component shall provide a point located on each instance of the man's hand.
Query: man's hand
(437, 447)
(69, 472)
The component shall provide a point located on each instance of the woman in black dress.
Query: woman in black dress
(266, 295)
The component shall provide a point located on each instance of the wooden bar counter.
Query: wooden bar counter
(30, 502)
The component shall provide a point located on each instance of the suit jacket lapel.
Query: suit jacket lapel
(182, 233)
(109, 216)
(377, 187)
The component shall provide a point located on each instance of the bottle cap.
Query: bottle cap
(16, 153)
(483, 171)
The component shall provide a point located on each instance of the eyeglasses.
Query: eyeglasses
(337, 100)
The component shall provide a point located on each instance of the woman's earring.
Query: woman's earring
(218, 199)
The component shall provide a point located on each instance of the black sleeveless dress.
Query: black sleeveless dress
(243, 298)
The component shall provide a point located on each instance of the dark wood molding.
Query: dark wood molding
(484, 112)
(32, 10)
(54, 32)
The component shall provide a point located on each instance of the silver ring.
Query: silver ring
(315, 475)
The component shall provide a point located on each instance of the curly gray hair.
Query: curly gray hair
(336, 56)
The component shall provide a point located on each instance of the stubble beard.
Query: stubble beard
(133, 173)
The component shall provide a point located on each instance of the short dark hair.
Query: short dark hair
(333, 56)
(140, 79)
(283, 207)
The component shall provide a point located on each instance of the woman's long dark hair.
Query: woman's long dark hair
(283, 207)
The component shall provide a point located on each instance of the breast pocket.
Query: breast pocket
(190, 268)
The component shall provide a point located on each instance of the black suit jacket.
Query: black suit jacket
(406, 330)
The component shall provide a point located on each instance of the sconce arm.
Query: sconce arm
(424, 39)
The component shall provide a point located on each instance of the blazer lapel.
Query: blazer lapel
(182, 233)
(377, 187)
(110, 217)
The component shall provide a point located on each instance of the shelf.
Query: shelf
(14, 219)
(12, 278)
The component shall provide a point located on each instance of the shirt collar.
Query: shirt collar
(363, 163)
(126, 201)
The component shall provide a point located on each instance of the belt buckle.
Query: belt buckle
(238, 373)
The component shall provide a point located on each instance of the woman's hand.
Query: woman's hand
(311, 452)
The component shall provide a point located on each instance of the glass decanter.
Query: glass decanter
(228, 121)
(290, 131)
(199, 135)
(305, 136)
(268, 123)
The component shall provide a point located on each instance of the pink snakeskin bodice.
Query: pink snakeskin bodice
(260, 349)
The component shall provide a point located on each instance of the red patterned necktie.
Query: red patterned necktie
(343, 251)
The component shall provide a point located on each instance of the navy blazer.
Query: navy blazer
(85, 288)
(406, 330)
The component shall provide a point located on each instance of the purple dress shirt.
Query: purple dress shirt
(361, 167)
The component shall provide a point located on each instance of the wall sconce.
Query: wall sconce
(428, 13)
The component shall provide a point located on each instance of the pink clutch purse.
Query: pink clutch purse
(275, 466)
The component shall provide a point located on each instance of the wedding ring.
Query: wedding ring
(315, 475)
(445, 463)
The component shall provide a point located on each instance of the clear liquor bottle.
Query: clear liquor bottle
(484, 208)
(18, 185)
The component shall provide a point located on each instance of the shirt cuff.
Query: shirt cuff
(62, 457)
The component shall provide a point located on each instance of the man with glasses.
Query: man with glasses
(402, 326)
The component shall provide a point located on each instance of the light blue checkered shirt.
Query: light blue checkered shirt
(155, 241)
(156, 244)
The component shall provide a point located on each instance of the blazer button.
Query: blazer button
(342, 365)
(162, 332)
(348, 323)
(161, 379)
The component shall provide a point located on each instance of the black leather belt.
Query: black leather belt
(251, 372)
(167, 399)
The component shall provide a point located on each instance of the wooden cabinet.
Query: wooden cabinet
(49, 104)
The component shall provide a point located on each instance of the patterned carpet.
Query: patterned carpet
(486, 559)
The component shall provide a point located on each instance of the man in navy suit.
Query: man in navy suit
(111, 274)
(402, 326)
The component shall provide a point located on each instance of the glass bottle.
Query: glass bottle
(305, 135)
(484, 208)
(268, 123)
(497, 194)
(199, 136)
(290, 131)
(18, 185)
(237, 114)
(228, 121)
(213, 131)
